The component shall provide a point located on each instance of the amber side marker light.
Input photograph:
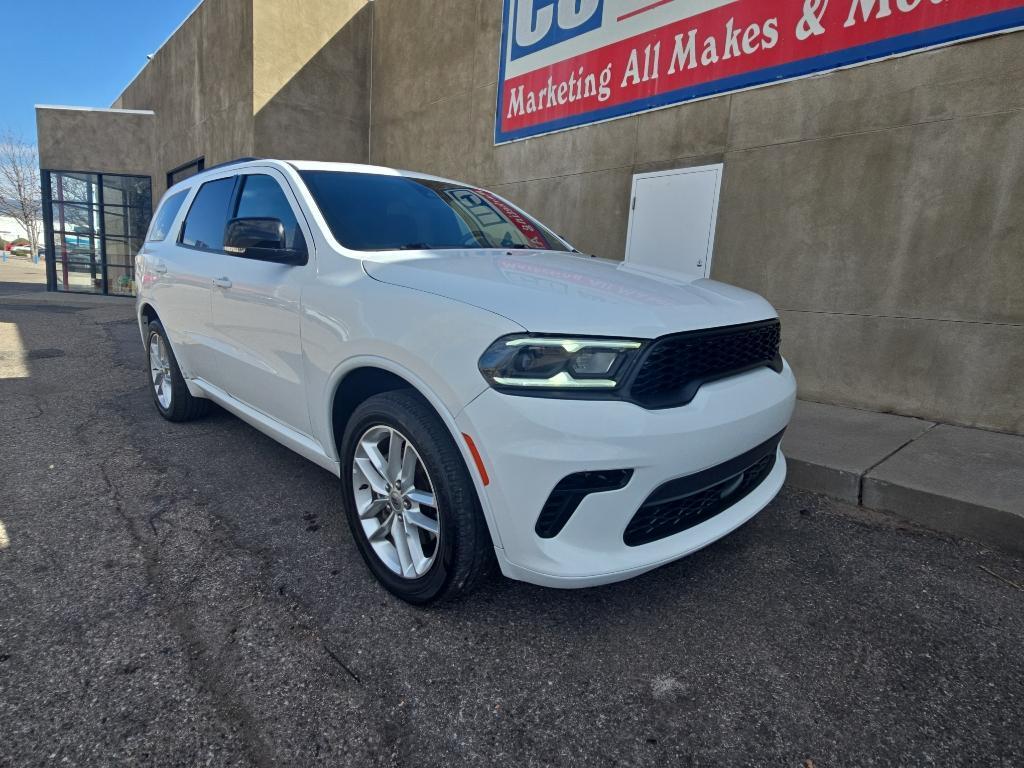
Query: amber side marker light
(476, 458)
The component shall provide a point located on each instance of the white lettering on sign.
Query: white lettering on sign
(541, 24)
(574, 13)
(532, 25)
(881, 9)
(577, 87)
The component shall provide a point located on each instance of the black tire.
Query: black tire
(183, 406)
(465, 552)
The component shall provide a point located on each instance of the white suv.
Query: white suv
(484, 391)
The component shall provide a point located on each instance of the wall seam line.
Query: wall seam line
(902, 317)
(626, 166)
(369, 112)
(869, 131)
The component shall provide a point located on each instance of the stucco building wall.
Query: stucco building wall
(312, 79)
(200, 85)
(95, 140)
(258, 78)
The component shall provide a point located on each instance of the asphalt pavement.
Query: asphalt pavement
(184, 595)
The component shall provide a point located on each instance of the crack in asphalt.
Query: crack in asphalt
(204, 668)
(205, 660)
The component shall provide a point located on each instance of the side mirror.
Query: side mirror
(264, 239)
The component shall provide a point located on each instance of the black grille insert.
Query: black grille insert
(689, 501)
(676, 366)
(571, 491)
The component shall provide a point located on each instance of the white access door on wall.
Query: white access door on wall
(672, 221)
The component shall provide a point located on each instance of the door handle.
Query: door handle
(159, 267)
(222, 282)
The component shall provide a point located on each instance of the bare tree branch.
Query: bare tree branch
(20, 190)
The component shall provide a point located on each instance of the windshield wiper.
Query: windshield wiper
(414, 247)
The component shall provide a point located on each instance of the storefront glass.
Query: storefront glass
(96, 225)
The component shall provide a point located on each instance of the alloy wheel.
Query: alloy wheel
(160, 370)
(395, 502)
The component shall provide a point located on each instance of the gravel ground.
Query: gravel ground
(189, 595)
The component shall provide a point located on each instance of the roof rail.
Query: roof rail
(236, 161)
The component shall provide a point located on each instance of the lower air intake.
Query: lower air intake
(689, 501)
(571, 491)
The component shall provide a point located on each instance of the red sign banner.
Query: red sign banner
(571, 62)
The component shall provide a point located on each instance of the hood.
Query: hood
(555, 292)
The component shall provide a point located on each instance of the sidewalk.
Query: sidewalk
(967, 482)
(21, 280)
(19, 275)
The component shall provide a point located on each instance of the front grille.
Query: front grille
(689, 501)
(676, 366)
(570, 492)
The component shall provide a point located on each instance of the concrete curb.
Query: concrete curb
(966, 482)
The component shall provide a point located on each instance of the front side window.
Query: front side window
(263, 198)
(165, 216)
(374, 212)
(208, 217)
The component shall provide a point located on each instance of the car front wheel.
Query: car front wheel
(410, 501)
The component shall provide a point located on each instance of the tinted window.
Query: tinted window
(372, 212)
(208, 217)
(263, 198)
(165, 216)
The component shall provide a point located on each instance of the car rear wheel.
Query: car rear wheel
(170, 393)
(410, 501)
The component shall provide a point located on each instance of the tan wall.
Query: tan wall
(878, 208)
(259, 77)
(200, 84)
(311, 79)
(100, 141)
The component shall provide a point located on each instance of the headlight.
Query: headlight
(557, 363)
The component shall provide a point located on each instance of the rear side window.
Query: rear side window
(164, 218)
(263, 198)
(208, 217)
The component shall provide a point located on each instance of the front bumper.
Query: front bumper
(529, 444)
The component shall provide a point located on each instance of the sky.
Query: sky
(76, 52)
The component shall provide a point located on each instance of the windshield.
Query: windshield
(371, 212)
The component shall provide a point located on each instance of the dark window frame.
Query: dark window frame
(99, 234)
(198, 163)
